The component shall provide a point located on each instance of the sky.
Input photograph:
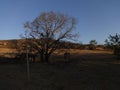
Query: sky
(96, 19)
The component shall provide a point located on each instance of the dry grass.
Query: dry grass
(86, 70)
(7, 50)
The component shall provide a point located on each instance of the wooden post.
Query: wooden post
(66, 56)
(28, 68)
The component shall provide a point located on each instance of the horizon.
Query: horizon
(96, 19)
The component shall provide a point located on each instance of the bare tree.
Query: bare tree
(47, 31)
(92, 45)
(113, 42)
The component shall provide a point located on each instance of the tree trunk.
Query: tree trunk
(42, 57)
(47, 57)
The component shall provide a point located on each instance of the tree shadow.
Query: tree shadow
(95, 59)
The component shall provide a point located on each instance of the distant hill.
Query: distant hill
(12, 44)
(9, 43)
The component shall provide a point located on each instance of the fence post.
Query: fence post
(67, 56)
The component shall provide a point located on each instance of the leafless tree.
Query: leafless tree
(92, 45)
(113, 42)
(47, 31)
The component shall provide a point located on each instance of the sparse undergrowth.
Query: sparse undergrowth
(90, 70)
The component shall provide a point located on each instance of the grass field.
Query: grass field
(86, 70)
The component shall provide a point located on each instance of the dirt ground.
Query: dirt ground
(86, 70)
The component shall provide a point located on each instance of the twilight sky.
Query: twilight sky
(96, 18)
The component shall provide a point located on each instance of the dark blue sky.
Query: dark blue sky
(96, 18)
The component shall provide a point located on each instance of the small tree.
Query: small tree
(47, 31)
(113, 42)
(92, 45)
(107, 45)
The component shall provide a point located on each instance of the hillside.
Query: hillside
(8, 43)
(11, 45)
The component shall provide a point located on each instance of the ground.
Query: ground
(86, 70)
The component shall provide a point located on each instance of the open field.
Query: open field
(86, 70)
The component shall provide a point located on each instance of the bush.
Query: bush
(116, 51)
(92, 47)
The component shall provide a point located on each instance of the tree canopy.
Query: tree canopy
(47, 31)
(113, 42)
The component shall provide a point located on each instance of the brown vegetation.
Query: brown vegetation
(85, 70)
